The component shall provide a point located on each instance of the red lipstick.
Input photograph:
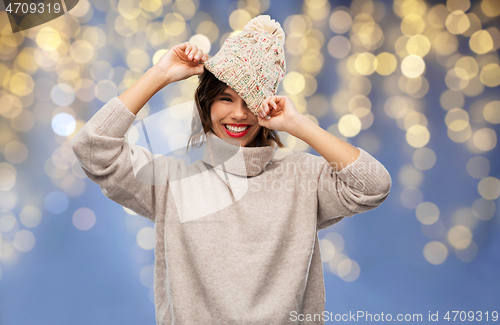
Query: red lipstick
(237, 135)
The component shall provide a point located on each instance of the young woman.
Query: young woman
(236, 234)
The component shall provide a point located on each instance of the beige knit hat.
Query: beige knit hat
(252, 62)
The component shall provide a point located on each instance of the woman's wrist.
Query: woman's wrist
(160, 76)
(298, 125)
(303, 128)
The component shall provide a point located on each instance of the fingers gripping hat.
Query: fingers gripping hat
(252, 62)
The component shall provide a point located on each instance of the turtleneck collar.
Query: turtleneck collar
(242, 161)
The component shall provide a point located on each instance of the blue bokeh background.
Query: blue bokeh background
(90, 277)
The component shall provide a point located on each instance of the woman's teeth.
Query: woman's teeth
(236, 129)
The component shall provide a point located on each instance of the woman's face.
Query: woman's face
(229, 109)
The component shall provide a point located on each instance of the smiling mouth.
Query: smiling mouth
(236, 129)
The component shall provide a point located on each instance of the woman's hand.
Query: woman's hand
(181, 62)
(281, 110)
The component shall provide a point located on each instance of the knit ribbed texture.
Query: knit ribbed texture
(243, 161)
(253, 261)
(252, 62)
(116, 122)
(100, 142)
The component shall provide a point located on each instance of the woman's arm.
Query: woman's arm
(124, 171)
(285, 117)
(337, 152)
(114, 164)
(350, 181)
(135, 97)
(180, 62)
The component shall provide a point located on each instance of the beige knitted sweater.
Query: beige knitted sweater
(238, 243)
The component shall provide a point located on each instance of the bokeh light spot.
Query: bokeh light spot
(146, 238)
(8, 175)
(485, 139)
(459, 237)
(365, 63)
(412, 66)
(56, 202)
(427, 213)
(490, 8)
(481, 42)
(483, 209)
(491, 112)
(418, 45)
(24, 240)
(339, 47)
(63, 124)
(435, 252)
(385, 63)
(84, 219)
(340, 21)
(30, 216)
(490, 75)
(349, 125)
(457, 22)
(417, 136)
(412, 25)
(489, 188)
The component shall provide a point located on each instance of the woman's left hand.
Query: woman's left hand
(281, 110)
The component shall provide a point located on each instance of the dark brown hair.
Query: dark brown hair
(206, 93)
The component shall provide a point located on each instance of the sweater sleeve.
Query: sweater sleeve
(358, 187)
(119, 168)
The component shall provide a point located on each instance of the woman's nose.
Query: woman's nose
(241, 110)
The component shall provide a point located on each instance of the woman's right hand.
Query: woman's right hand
(181, 61)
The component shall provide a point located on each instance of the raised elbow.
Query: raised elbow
(387, 183)
(80, 145)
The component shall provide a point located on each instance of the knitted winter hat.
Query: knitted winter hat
(252, 62)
